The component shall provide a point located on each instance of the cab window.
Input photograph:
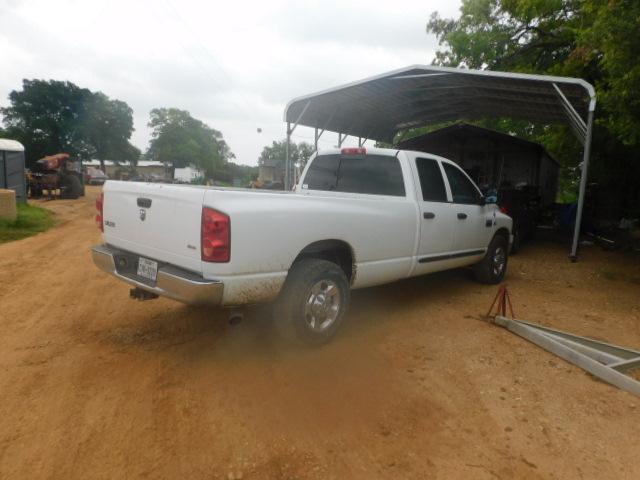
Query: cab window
(462, 189)
(431, 181)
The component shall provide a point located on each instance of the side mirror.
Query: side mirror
(490, 199)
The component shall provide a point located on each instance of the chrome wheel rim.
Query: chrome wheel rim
(322, 306)
(499, 261)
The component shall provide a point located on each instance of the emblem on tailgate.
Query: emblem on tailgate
(143, 214)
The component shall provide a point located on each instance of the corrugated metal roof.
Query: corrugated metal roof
(378, 107)
(11, 145)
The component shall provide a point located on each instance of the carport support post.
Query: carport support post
(287, 156)
(288, 168)
(583, 182)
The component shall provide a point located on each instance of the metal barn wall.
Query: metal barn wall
(489, 157)
(485, 161)
(12, 173)
(549, 175)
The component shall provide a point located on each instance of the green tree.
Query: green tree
(276, 153)
(106, 126)
(53, 116)
(592, 39)
(181, 140)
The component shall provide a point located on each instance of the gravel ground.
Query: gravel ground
(94, 385)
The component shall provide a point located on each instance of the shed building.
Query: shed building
(493, 159)
(12, 172)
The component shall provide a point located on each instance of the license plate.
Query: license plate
(147, 268)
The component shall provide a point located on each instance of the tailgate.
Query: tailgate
(158, 221)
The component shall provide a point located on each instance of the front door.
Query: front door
(474, 222)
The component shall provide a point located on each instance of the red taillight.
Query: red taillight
(99, 208)
(504, 210)
(215, 236)
(354, 151)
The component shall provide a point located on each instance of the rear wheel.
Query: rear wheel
(313, 301)
(70, 186)
(493, 267)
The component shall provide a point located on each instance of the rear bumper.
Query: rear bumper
(171, 282)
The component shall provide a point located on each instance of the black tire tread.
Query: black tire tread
(287, 307)
(483, 270)
(72, 188)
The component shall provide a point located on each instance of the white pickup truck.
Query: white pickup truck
(357, 218)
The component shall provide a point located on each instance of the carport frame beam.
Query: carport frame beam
(583, 181)
(288, 184)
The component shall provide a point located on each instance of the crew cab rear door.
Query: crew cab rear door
(436, 217)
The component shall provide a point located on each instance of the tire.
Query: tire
(493, 267)
(517, 239)
(313, 302)
(71, 187)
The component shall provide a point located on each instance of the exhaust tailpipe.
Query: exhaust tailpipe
(141, 295)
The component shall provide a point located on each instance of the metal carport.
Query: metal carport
(381, 107)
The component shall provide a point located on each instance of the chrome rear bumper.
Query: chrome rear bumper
(171, 282)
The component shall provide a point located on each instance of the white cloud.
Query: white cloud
(234, 65)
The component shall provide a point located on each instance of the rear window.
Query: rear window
(369, 174)
(323, 173)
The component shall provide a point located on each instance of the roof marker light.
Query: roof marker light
(354, 151)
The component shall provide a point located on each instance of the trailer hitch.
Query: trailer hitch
(141, 295)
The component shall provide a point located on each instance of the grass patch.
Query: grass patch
(31, 220)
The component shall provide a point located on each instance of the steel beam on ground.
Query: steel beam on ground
(601, 359)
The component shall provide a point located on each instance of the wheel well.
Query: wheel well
(504, 233)
(336, 251)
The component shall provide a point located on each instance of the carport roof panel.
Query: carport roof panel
(378, 107)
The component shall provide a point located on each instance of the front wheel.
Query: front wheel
(493, 267)
(313, 301)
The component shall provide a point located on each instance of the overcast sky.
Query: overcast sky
(232, 64)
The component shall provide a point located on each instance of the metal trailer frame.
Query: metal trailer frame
(384, 107)
(604, 360)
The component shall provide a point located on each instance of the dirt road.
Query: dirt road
(94, 385)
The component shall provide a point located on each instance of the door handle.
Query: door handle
(462, 216)
(144, 202)
(429, 215)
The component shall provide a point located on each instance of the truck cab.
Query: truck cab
(455, 221)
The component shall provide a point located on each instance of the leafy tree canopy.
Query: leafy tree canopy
(593, 39)
(50, 116)
(276, 153)
(182, 140)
